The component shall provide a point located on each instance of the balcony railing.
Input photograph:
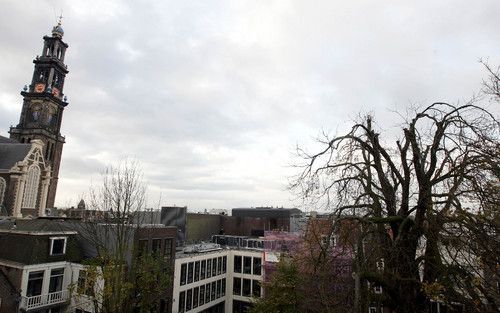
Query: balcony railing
(35, 302)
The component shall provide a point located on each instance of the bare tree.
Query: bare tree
(422, 202)
(120, 276)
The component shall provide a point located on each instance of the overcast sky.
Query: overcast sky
(212, 96)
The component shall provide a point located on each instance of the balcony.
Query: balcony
(35, 302)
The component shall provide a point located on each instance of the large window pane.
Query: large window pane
(183, 273)
(247, 265)
(207, 293)
(237, 264)
(56, 280)
(156, 246)
(35, 282)
(203, 268)
(256, 288)
(257, 264)
(182, 302)
(237, 286)
(214, 266)
(246, 287)
(190, 272)
(202, 294)
(224, 264)
(189, 298)
(197, 271)
(218, 289)
(195, 297)
(212, 292)
(167, 248)
(209, 268)
(219, 265)
(223, 288)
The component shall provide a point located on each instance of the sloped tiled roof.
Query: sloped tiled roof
(7, 140)
(10, 153)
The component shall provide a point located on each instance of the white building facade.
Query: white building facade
(211, 279)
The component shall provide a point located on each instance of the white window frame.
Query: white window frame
(372, 309)
(52, 245)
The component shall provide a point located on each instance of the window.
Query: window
(246, 288)
(214, 266)
(183, 273)
(56, 280)
(257, 263)
(209, 268)
(197, 271)
(35, 282)
(203, 268)
(224, 264)
(57, 245)
(31, 187)
(247, 265)
(223, 287)
(195, 297)
(189, 298)
(202, 295)
(212, 292)
(182, 302)
(167, 248)
(237, 264)
(255, 288)
(207, 293)
(143, 246)
(372, 309)
(190, 273)
(3, 186)
(218, 289)
(219, 265)
(237, 286)
(83, 284)
(156, 246)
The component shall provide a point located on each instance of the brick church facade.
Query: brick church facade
(31, 157)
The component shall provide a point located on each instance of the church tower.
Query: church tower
(44, 103)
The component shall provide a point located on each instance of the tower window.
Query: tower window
(31, 188)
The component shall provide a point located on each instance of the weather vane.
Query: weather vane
(59, 21)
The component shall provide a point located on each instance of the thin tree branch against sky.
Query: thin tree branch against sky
(212, 96)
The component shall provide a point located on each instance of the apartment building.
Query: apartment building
(210, 278)
(41, 273)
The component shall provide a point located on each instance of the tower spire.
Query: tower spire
(44, 103)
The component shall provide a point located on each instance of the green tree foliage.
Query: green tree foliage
(283, 292)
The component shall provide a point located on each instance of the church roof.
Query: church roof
(7, 140)
(10, 153)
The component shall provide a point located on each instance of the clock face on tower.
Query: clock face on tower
(39, 87)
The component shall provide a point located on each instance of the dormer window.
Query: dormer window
(57, 245)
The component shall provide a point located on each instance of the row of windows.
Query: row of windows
(35, 282)
(199, 270)
(156, 247)
(246, 287)
(198, 296)
(246, 266)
